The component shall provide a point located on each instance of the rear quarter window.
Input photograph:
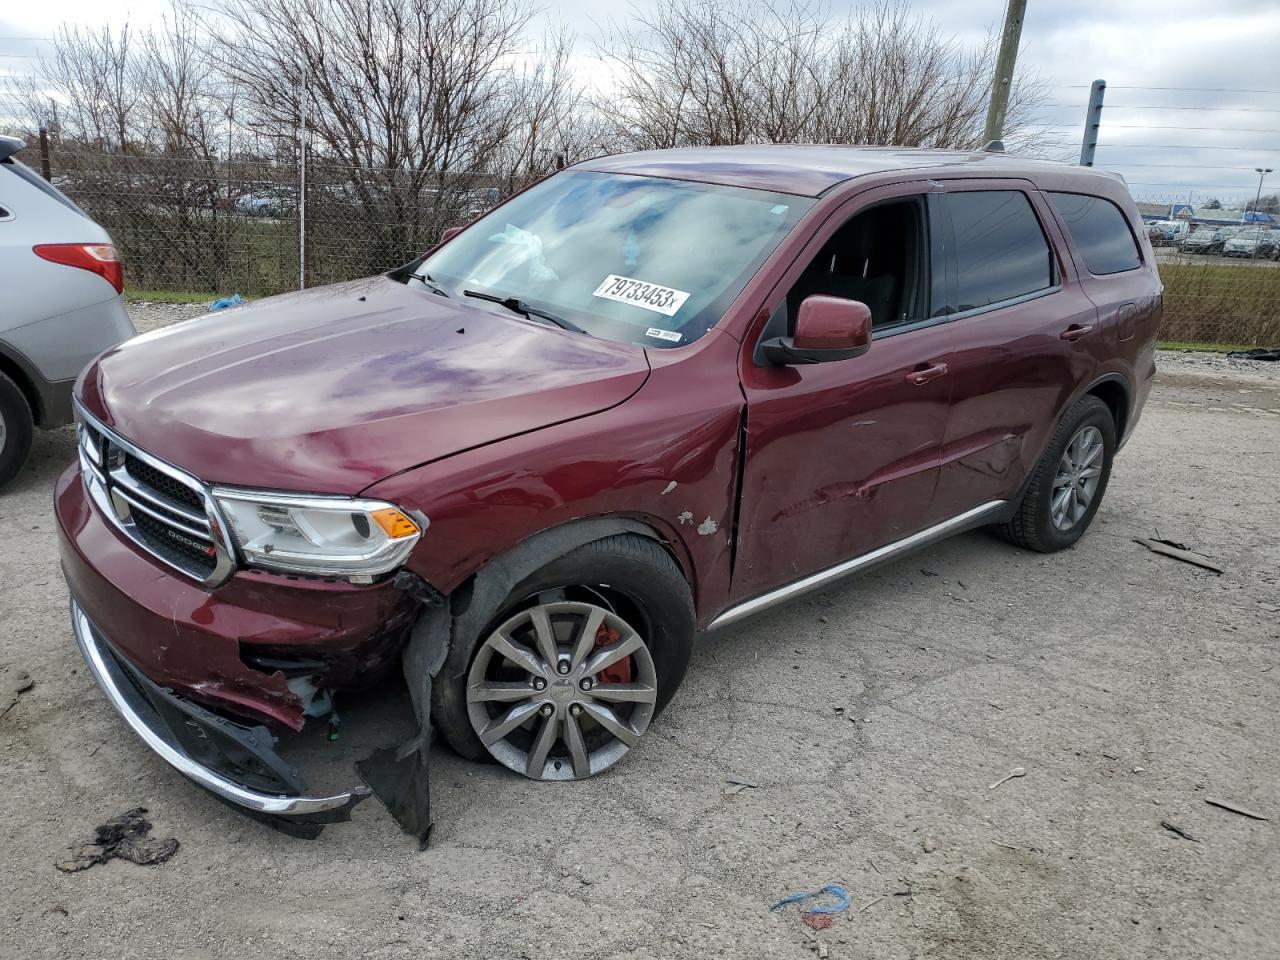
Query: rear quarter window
(1099, 232)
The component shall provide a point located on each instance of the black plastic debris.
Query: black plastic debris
(125, 837)
(1258, 353)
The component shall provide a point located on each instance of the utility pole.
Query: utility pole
(1257, 199)
(45, 171)
(302, 179)
(1092, 121)
(1005, 62)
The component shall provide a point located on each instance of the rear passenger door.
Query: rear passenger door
(1109, 262)
(1018, 340)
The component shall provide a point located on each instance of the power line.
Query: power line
(1148, 126)
(1181, 146)
(1085, 86)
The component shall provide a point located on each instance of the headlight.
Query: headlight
(324, 536)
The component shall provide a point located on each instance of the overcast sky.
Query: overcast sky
(1221, 48)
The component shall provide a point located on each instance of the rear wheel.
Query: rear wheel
(16, 429)
(1069, 481)
(575, 664)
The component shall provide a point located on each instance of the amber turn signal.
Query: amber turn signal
(394, 523)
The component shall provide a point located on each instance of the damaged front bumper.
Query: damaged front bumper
(235, 762)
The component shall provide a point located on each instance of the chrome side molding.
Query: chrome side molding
(890, 551)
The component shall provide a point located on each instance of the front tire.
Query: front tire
(574, 665)
(16, 429)
(1069, 481)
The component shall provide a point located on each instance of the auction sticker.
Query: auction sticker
(638, 293)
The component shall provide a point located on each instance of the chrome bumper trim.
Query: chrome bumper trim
(114, 684)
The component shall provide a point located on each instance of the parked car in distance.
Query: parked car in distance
(651, 394)
(61, 283)
(1246, 242)
(266, 202)
(1164, 233)
(1204, 240)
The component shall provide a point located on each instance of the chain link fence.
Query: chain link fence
(1221, 270)
(219, 227)
(260, 227)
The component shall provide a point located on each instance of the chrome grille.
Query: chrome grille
(164, 510)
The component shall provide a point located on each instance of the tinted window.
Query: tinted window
(1099, 231)
(1001, 251)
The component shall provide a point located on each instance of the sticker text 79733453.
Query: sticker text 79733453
(638, 293)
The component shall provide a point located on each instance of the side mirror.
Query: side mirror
(449, 233)
(827, 328)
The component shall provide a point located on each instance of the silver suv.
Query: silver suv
(61, 282)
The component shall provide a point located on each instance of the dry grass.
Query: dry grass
(1221, 303)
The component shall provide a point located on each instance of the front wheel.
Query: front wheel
(575, 664)
(1064, 493)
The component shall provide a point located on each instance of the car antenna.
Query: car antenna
(994, 146)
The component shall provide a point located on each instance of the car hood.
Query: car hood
(336, 388)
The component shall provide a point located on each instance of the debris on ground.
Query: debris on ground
(1257, 353)
(125, 837)
(226, 303)
(737, 785)
(928, 844)
(1015, 772)
(12, 686)
(868, 906)
(1179, 551)
(1235, 808)
(1174, 828)
(819, 917)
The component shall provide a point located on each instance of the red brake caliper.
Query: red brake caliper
(619, 672)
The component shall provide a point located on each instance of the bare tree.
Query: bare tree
(697, 72)
(136, 143)
(416, 108)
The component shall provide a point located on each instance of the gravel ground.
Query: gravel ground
(873, 719)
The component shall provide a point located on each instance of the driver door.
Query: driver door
(843, 457)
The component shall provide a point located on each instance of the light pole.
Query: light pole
(1257, 198)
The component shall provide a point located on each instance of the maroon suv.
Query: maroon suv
(651, 394)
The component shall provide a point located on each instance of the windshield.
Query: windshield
(625, 258)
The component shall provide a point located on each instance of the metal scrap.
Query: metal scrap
(124, 837)
(1178, 551)
(1235, 808)
(1174, 828)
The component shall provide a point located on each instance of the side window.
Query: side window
(880, 258)
(1001, 250)
(1099, 231)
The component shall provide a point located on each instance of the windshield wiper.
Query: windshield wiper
(516, 305)
(426, 281)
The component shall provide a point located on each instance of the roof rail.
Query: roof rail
(9, 146)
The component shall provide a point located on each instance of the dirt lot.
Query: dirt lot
(873, 719)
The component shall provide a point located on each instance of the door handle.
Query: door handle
(1076, 331)
(922, 375)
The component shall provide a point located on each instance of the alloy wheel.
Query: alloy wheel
(561, 690)
(1076, 481)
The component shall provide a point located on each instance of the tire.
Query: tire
(1033, 525)
(16, 429)
(630, 574)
